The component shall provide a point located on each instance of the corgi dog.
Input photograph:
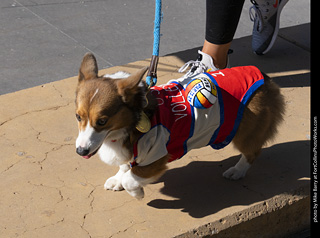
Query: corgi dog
(141, 130)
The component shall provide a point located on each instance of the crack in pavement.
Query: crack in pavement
(53, 108)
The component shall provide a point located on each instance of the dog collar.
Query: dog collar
(132, 164)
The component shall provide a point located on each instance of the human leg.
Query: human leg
(222, 18)
(219, 53)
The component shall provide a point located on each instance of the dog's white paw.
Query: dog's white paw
(239, 170)
(234, 173)
(133, 185)
(113, 183)
(137, 193)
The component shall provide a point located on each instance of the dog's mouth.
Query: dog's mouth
(85, 153)
(90, 155)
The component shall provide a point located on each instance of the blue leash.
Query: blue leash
(152, 73)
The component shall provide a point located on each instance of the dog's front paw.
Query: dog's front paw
(234, 173)
(113, 183)
(137, 193)
(131, 184)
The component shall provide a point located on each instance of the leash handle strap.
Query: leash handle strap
(152, 73)
(156, 31)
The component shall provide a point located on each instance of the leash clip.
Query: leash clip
(152, 72)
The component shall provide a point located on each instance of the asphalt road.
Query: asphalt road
(44, 40)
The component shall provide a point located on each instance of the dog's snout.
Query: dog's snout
(82, 151)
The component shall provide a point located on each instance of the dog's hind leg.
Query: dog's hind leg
(249, 141)
(240, 169)
(259, 123)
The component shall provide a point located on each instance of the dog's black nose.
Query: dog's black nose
(82, 151)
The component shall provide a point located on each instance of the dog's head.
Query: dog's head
(106, 107)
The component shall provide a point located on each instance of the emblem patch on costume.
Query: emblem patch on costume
(201, 92)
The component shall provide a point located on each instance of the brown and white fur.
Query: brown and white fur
(108, 109)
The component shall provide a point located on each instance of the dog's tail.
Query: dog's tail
(275, 102)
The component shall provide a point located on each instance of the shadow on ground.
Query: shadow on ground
(200, 190)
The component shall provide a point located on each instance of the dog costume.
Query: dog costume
(178, 127)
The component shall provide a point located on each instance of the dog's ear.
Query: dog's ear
(129, 87)
(88, 68)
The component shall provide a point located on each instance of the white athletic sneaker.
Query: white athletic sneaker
(204, 63)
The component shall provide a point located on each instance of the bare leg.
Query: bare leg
(219, 53)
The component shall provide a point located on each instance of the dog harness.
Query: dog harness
(177, 127)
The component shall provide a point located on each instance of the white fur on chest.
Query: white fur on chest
(113, 153)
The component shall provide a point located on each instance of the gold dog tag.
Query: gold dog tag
(144, 124)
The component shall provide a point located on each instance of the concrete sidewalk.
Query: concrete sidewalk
(47, 190)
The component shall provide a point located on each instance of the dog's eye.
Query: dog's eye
(78, 117)
(102, 122)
